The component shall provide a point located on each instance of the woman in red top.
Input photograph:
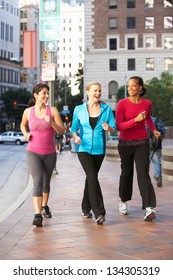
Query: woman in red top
(132, 115)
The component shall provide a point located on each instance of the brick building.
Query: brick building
(124, 38)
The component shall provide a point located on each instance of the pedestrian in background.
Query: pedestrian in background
(156, 150)
(90, 121)
(131, 115)
(58, 142)
(42, 121)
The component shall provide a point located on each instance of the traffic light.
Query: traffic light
(66, 118)
(14, 104)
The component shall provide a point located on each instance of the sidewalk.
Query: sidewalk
(69, 236)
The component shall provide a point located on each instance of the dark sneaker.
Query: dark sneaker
(46, 212)
(150, 214)
(159, 181)
(87, 214)
(100, 220)
(37, 220)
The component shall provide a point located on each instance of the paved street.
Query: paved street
(13, 176)
(69, 236)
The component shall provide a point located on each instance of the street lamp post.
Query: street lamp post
(125, 86)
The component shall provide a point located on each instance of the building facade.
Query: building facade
(124, 38)
(29, 21)
(9, 45)
(70, 53)
(9, 51)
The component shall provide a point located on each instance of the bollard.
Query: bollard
(167, 163)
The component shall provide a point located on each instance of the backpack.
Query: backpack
(154, 143)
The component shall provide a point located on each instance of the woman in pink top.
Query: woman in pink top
(42, 121)
(132, 115)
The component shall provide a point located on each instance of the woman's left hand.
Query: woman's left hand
(156, 133)
(48, 119)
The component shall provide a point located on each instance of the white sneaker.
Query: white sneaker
(150, 214)
(123, 208)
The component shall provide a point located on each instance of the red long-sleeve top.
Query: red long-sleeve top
(126, 112)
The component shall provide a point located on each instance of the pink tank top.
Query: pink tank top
(42, 134)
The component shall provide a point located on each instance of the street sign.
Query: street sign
(49, 29)
(65, 112)
(48, 72)
(51, 46)
(49, 20)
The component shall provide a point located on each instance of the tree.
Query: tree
(80, 80)
(15, 101)
(160, 92)
(63, 97)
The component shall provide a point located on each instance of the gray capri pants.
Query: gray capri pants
(41, 168)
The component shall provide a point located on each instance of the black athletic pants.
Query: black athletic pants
(92, 197)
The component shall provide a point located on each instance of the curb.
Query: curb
(18, 202)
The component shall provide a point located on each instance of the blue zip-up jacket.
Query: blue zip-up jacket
(93, 140)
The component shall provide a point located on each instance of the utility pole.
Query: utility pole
(125, 87)
(51, 84)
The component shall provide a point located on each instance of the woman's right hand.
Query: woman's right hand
(27, 136)
(77, 140)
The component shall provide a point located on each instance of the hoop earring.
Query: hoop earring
(141, 91)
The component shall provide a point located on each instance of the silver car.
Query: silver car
(13, 137)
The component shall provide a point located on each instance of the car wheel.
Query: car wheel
(18, 142)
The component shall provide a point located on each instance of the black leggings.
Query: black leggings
(138, 154)
(41, 168)
(92, 197)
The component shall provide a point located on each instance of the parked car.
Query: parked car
(13, 137)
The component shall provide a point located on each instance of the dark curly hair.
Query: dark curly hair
(141, 83)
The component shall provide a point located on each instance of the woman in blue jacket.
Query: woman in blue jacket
(90, 121)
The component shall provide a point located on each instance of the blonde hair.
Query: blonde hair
(88, 86)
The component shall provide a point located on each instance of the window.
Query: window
(131, 64)
(168, 22)
(23, 26)
(113, 90)
(131, 22)
(131, 3)
(23, 77)
(168, 3)
(7, 32)
(113, 23)
(113, 65)
(131, 43)
(113, 4)
(149, 22)
(149, 63)
(168, 64)
(149, 42)
(113, 44)
(168, 43)
(11, 34)
(149, 3)
(2, 30)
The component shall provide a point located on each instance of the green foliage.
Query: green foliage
(21, 97)
(121, 93)
(80, 80)
(63, 97)
(160, 92)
